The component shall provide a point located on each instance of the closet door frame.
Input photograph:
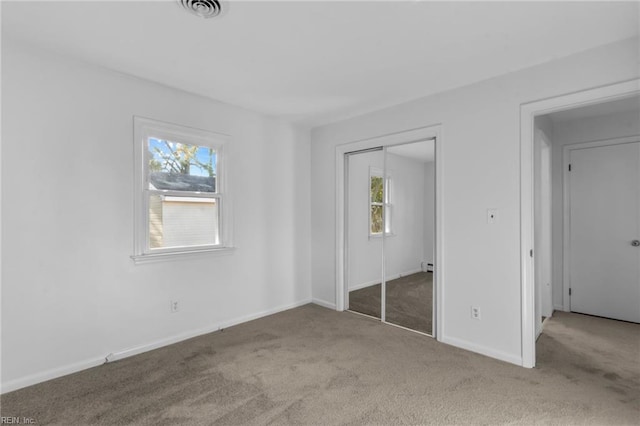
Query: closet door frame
(387, 140)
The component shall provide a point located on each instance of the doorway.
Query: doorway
(592, 116)
(390, 218)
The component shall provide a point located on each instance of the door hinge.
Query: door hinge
(569, 292)
(569, 167)
(531, 253)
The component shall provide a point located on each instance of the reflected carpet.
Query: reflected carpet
(409, 301)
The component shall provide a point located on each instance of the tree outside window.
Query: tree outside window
(379, 206)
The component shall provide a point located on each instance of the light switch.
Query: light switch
(492, 216)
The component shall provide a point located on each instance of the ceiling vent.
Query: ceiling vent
(203, 8)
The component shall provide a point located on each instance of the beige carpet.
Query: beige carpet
(409, 301)
(315, 366)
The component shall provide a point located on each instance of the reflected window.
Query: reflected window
(379, 205)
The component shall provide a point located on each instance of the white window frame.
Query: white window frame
(386, 204)
(145, 128)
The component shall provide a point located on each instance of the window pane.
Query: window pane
(376, 219)
(377, 189)
(181, 167)
(183, 221)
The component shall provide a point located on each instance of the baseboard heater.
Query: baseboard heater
(427, 267)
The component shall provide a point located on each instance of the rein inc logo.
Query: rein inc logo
(5, 420)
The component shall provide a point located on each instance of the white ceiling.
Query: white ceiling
(423, 151)
(625, 105)
(316, 62)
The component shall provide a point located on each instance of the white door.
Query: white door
(604, 261)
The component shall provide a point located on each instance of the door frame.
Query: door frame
(528, 112)
(566, 206)
(543, 233)
(391, 139)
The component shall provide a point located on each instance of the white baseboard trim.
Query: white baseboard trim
(389, 278)
(558, 308)
(482, 350)
(126, 353)
(251, 317)
(404, 274)
(324, 303)
(201, 331)
(54, 373)
(364, 285)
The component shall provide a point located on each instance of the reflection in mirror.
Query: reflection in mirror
(409, 240)
(365, 204)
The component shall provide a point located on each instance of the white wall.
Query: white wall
(70, 293)
(405, 248)
(480, 152)
(590, 129)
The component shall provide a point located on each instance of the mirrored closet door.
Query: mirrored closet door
(390, 218)
(364, 217)
(409, 237)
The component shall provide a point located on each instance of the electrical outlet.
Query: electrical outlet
(475, 312)
(175, 306)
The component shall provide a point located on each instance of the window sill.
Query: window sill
(379, 236)
(177, 255)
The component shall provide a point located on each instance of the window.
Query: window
(181, 205)
(379, 205)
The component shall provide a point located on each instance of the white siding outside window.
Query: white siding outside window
(189, 222)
